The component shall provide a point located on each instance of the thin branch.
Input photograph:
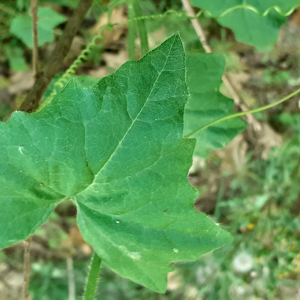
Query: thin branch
(237, 100)
(34, 18)
(60, 51)
(197, 26)
(27, 268)
(71, 282)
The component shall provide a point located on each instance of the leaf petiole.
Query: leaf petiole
(243, 113)
(92, 280)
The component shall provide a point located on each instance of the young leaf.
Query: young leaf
(207, 104)
(116, 149)
(250, 27)
(21, 26)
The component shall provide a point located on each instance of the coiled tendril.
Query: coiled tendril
(76, 64)
(85, 53)
(210, 15)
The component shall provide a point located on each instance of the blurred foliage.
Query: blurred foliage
(21, 26)
(260, 209)
(262, 213)
(16, 30)
(50, 280)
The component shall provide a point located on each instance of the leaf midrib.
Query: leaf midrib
(130, 127)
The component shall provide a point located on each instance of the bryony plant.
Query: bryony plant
(116, 149)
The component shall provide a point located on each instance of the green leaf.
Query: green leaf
(206, 104)
(48, 19)
(250, 27)
(116, 149)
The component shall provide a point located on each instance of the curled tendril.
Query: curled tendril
(265, 13)
(76, 64)
(85, 53)
(210, 15)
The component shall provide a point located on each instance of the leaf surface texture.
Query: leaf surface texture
(116, 149)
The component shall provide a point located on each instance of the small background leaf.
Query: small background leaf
(48, 19)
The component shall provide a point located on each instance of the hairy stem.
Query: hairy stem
(243, 113)
(141, 27)
(92, 280)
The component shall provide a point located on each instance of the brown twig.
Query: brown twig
(237, 100)
(197, 26)
(27, 268)
(60, 51)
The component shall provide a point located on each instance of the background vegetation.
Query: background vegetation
(251, 187)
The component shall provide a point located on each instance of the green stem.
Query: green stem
(92, 280)
(131, 34)
(243, 113)
(141, 27)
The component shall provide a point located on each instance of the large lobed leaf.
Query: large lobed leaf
(206, 104)
(116, 149)
(248, 26)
